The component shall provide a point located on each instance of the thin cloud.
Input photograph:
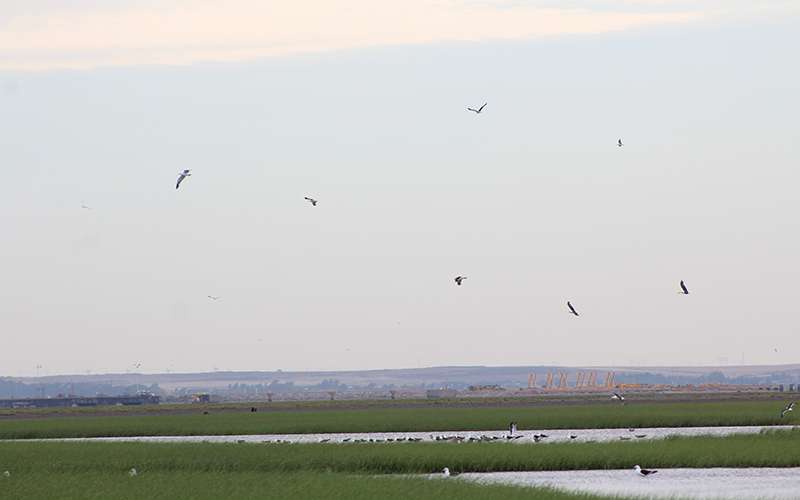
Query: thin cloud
(190, 31)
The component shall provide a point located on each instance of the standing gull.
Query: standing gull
(684, 290)
(643, 472)
(310, 200)
(477, 111)
(459, 279)
(181, 177)
(572, 309)
(789, 407)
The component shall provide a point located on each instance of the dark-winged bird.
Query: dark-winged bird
(619, 142)
(683, 287)
(572, 309)
(619, 397)
(643, 472)
(310, 200)
(477, 111)
(789, 407)
(459, 279)
(181, 177)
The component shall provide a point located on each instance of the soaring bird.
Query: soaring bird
(572, 309)
(310, 200)
(643, 472)
(789, 407)
(86, 207)
(477, 111)
(212, 297)
(618, 396)
(683, 287)
(619, 143)
(181, 177)
(459, 279)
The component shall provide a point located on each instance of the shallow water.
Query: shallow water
(746, 484)
(581, 435)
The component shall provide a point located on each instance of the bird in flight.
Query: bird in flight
(572, 309)
(619, 397)
(685, 291)
(459, 279)
(85, 206)
(477, 111)
(643, 472)
(789, 407)
(619, 143)
(212, 297)
(310, 200)
(186, 173)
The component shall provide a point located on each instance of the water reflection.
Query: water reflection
(526, 437)
(752, 483)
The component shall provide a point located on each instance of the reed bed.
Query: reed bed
(403, 420)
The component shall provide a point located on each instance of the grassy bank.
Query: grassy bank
(404, 419)
(250, 485)
(769, 449)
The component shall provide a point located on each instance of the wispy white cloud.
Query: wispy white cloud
(120, 32)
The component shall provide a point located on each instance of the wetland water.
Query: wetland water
(744, 484)
(581, 435)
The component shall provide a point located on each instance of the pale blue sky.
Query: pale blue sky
(532, 200)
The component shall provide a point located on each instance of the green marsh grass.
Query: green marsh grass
(252, 485)
(403, 420)
(767, 449)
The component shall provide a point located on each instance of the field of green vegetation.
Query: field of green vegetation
(252, 485)
(207, 470)
(402, 420)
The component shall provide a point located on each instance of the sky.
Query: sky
(362, 105)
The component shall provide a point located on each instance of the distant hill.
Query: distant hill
(458, 377)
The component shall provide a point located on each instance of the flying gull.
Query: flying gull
(459, 279)
(85, 206)
(643, 472)
(477, 111)
(572, 309)
(212, 297)
(685, 291)
(618, 396)
(310, 200)
(619, 143)
(789, 407)
(181, 177)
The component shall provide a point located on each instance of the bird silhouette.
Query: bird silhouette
(789, 407)
(459, 279)
(186, 173)
(311, 200)
(572, 309)
(477, 111)
(619, 143)
(685, 291)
